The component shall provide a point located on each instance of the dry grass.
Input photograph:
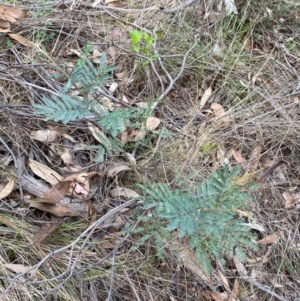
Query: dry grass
(251, 76)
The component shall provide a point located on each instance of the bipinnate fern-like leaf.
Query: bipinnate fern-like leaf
(208, 218)
(63, 108)
(88, 76)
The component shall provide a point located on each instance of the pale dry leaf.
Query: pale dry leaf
(131, 158)
(239, 266)
(112, 51)
(143, 105)
(95, 3)
(290, 200)
(99, 136)
(124, 137)
(45, 135)
(114, 169)
(230, 7)
(205, 97)
(136, 135)
(67, 136)
(269, 239)
(188, 260)
(8, 188)
(71, 51)
(219, 112)
(124, 192)
(234, 291)
(96, 53)
(21, 39)
(65, 154)
(212, 296)
(110, 1)
(113, 87)
(254, 158)
(17, 268)
(152, 123)
(44, 172)
(238, 157)
(218, 109)
(224, 279)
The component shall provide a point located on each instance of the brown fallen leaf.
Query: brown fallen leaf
(219, 112)
(238, 157)
(65, 154)
(124, 192)
(7, 189)
(45, 135)
(290, 200)
(270, 239)
(57, 192)
(11, 14)
(254, 159)
(21, 39)
(234, 291)
(47, 229)
(44, 172)
(59, 210)
(114, 169)
(224, 280)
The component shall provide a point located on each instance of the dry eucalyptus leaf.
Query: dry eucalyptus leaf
(59, 210)
(17, 268)
(56, 193)
(238, 157)
(270, 239)
(219, 112)
(124, 192)
(239, 266)
(114, 169)
(44, 172)
(7, 189)
(45, 135)
(254, 158)
(224, 279)
(205, 97)
(47, 229)
(21, 39)
(234, 291)
(152, 123)
(99, 136)
(11, 14)
(112, 51)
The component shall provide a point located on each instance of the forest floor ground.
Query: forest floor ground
(222, 88)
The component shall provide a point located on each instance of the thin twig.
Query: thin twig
(16, 166)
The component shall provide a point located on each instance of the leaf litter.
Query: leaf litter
(68, 197)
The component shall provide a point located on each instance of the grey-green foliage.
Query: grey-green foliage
(207, 216)
(65, 108)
